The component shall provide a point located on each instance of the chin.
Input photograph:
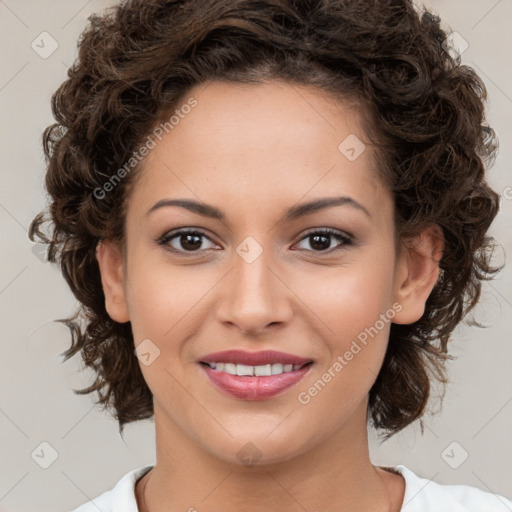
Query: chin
(258, 451)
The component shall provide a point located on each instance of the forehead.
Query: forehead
(264, 143)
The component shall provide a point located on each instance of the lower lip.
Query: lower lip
(254, 388)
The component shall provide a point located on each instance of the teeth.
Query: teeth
(260, 371)
(242, 369)
(265, 369)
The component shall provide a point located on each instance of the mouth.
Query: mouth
(254, 375)
(263, 370)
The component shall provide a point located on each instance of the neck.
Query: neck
(337, 475)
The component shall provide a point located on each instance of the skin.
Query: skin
(253, 151)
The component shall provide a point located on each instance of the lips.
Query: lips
(251, 386)
(254, 358)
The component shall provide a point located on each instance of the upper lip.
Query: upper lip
(254, 358)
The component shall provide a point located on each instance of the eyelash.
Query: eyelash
(339, 236)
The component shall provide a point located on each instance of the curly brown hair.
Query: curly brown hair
(423, 110)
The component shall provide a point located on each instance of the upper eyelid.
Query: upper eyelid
(330, 231)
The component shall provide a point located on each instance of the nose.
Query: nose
(254, 297)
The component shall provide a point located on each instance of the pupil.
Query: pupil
(316, 238)
(192, 245)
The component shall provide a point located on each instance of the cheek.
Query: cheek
(163, 302)
(355, 310)
(161, 297)
(356, 318)
(349, 299)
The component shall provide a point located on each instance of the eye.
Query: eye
(190, 240)
(320, 240)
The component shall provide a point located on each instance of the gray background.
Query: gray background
(37, 403)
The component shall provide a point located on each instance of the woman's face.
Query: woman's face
(261, 275)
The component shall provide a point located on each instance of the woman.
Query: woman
(273, 215)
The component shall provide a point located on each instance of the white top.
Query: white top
(421, 495)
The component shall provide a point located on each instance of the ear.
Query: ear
(417, 273)
(110, 260)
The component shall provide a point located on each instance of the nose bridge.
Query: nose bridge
(256, 296)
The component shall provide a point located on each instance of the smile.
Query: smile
(243, 370)
(254, 375)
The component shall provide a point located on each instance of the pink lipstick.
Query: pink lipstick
(254, 375)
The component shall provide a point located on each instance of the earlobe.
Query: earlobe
(418, 273)
(110, 261)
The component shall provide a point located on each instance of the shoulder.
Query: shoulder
(121, 498)
(425, 495)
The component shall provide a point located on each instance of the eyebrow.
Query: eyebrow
(293, 213)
